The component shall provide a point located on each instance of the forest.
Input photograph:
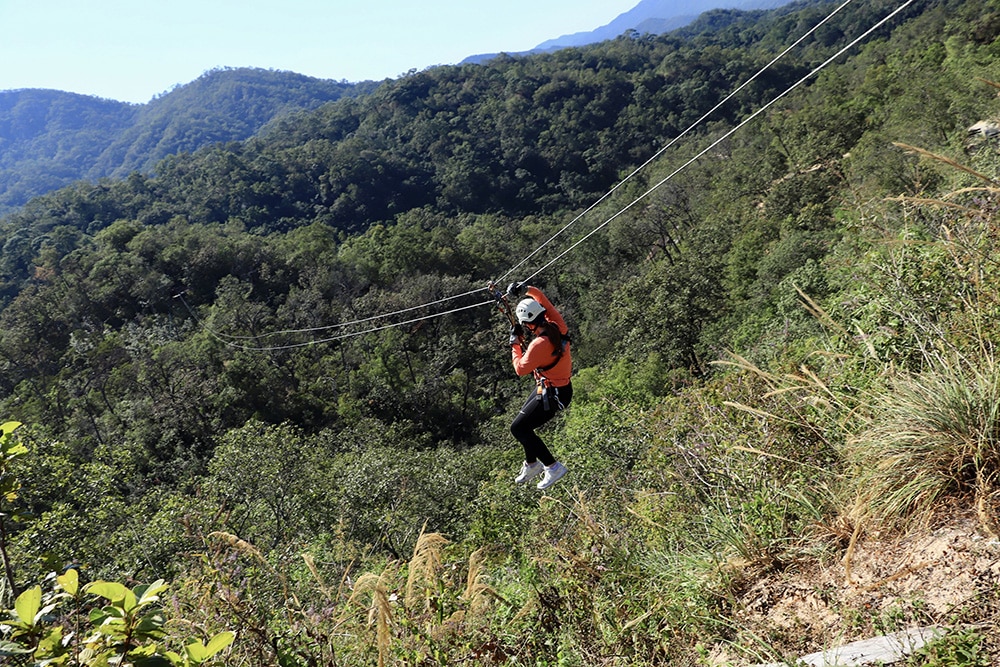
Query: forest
(256, 401)
(51, 139)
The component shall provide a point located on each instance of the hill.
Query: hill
(270, 371)
(654, 17)
(49, 139)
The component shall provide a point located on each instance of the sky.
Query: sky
(134, 50)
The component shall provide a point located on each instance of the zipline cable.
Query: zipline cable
(723, 137)
(342, 325)
(572, 222)
(290, 346)
(676, 139)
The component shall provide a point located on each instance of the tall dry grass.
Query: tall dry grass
(930, 439)
(933, 435)
(380, 613)
(921, 434)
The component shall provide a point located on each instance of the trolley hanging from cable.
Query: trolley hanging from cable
(503, 305)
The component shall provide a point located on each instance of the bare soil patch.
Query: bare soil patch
(948, 576)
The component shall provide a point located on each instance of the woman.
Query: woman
(547, 358)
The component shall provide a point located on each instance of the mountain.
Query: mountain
(649, 16)
(49, 139)
(654, 17)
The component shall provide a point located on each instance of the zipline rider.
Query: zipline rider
(547, 358)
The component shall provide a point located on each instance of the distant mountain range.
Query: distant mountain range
(649, 16)
(51, 138)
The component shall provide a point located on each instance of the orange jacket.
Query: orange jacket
(541, 351)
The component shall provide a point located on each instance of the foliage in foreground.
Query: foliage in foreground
(98, 624)
(123, 627)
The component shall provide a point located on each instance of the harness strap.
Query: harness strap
(543, 382)
(542, 394)
(558, 355)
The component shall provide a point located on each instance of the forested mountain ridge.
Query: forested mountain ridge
(49, 138)
(270, 366)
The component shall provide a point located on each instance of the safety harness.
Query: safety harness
(543, 388)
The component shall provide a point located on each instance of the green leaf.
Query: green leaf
(7, 428)
(109, 590)
(50, 646)
(114, 612)
(27, 605)
(196, 651)
(150, 593)
(219, 642)
(69, 582)
(151, 625)
(12, 648)
(113, 591)
(98, 616)
(199, 653)
(17, 448)
(12, 449)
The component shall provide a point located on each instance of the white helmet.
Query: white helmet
(528, 310)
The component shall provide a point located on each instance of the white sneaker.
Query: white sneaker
(529, 471)
(553, 474)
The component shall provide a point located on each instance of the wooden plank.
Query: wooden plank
(885, 650)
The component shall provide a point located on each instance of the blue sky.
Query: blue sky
(133, 50)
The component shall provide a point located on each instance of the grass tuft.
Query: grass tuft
(424, 564)
(934, 435)
(379, 610)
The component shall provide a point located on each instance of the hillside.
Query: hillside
(49, 139)
(269, 373)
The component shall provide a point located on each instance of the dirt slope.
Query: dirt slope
(947, 576)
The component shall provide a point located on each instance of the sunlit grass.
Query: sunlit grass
(932, 436)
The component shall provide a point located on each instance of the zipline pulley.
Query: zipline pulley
(503, 305)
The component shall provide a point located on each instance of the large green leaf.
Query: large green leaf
(8, 427)
(10, 448)
(113, 591)
(151, 625)
(150, 592)
(51, 647)
(196, 651)
(69, 582)
(219, 642)
(27, 605)
(110, 590)
(199, 653)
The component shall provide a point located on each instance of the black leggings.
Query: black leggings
(533, 415)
